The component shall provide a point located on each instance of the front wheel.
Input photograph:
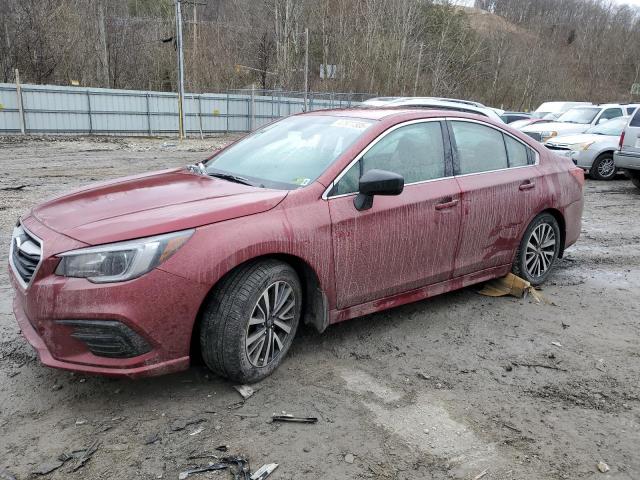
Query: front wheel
(603, 168)
(538, 250)
(250, 320)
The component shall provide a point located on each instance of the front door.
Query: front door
(403, 242)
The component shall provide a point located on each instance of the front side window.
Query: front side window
(635, 121)
(290, 153)
(610, 113)
(478, 148)
(414, 151)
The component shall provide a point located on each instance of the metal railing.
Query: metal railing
(48, 109)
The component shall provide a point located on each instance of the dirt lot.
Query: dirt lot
(437, 389)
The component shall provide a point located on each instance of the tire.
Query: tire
(546, 226)
(229, 342)
(603, 167)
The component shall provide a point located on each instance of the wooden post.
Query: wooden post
(23, 126)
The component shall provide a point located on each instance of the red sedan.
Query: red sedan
(319, 218)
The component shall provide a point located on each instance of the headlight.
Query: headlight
(581, 146)
(117, 262)
(547, 135)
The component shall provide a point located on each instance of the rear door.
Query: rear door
(631, 144)
(498, 179)
(406, 241)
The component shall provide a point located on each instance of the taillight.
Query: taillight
(578, 174)
(621, 141)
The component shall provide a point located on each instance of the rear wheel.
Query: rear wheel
(250, 320)
(538, 250)
(603, 168)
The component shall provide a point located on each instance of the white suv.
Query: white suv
(576, 120)
(628, 155)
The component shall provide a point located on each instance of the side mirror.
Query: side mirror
(377, 182)
(602, 120)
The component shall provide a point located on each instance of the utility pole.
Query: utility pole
(415, 85)
(180, 70)
(195, 30)
(306, 66)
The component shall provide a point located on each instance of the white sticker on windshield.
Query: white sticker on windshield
(349, 123)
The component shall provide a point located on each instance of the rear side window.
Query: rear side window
(635, 121)
(479, 148)
(414, 151)
(517, 152)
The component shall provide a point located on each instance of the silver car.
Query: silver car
(592, 150)
(628, 155)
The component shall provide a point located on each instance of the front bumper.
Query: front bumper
(159, 307)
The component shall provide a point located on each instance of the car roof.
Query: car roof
(387, 113)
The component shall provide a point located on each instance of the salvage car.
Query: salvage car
(627, 157)
(592, 150)
(316, 218)
(576, 120)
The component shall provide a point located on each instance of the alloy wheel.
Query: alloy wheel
(540, 250)
(606, 167)
(270, 323)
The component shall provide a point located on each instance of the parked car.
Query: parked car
(592, 150)
(576, 120)
(448, 104)
(319, 217)
(555, 109)
(510, 117)
(627, 157)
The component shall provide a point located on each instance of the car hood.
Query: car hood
(559, 127)
(151, 204)
(583, 138)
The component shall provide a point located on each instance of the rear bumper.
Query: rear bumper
(627, 160)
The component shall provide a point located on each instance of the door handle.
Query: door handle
(527, 185)
(448, 203)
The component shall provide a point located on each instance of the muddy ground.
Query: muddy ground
(438, 389)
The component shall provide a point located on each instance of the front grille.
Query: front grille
(557, 146)
(535, 135)
(26, 253)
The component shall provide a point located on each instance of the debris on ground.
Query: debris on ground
(180, 424)
(292, 419)
(239, 464)
(245, 390)
(603, 467)
(349, 458)
(556, 344)
(222, 448)
(540, 365)
(48, 467)
(512, 285)
(151, 439)
(480, 475)
(208, 468)
(81, 457)
(264, 471)
(196, 431)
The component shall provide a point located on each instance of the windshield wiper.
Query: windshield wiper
(231, 178)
